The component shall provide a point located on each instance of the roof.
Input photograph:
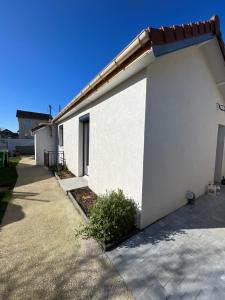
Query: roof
(147, 39)
(39, 127)
(8, 133)
(32, 115)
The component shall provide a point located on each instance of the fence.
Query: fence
(11, 144)
(52, 158)
(3, 144)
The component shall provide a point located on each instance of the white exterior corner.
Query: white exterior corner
(152, 129)
(45, 139)
(181, 127)
(116, 139)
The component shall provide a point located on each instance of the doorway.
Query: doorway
(84, 122)
(219, 154)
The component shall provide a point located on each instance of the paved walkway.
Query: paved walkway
(40, 258)
(180, 257)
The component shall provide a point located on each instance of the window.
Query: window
(61, 135)
(27, 123)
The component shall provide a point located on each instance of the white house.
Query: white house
(152, 122)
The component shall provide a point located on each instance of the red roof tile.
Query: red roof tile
(179, 32)
(159, 36)
(169, 34)
(176, 33)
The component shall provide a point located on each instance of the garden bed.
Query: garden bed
(61, 171)
(85, 198)
(64, 174)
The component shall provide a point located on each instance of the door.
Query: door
(85, 147)
(219, 154)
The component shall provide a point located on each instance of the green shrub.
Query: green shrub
(111, 217)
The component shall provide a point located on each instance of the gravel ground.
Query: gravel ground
(40, 257)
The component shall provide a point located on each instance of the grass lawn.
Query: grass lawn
(8, 178)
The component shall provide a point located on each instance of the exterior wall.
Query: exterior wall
(44, 139)
(25, 131)
(180, 132)
(116, 139)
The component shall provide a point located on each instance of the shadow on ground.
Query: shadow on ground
(33, 174)
(16, 214)
(61, 277)
(40, 257)
(28, 196)
(182, 256)
(208, 212)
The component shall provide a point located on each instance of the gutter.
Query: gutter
(139, 43)
(147, 39)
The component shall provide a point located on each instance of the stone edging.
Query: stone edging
(57, 176)
(104, 246)
(77, 206)
(73, 200)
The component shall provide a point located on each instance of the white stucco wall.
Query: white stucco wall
(44, 139)
(116, 139)
(180, 131)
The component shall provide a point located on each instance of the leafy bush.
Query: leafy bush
(111, 217)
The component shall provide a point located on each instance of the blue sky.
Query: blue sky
(50, 49)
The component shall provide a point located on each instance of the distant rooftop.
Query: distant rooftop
(32, 115)
(6, 133)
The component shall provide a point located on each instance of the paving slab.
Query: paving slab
(182, 256)
(73, 183)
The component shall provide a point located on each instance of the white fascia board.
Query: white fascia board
(139, 64)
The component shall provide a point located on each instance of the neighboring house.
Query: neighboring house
(6, 133)
(10, 141)
(149, 123)
(28, 120)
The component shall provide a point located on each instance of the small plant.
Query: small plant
(111, 217)
(58, 168)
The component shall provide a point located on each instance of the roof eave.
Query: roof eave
(149, 38)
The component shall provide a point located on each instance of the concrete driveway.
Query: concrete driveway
(40, 257)
(181, 256)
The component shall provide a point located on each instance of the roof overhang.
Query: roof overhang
(208, 45)
(149, 44)
(136, 66)
(163, 49)
(212, 53)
